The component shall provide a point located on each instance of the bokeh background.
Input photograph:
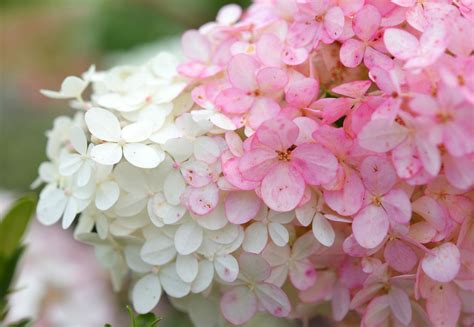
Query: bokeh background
(41, 42)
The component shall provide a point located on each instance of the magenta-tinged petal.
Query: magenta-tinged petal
(366, 22)
(432, 211)
(234, 101)
(315, 163)
(301, 92)
(273, 299)
(354, 89)
(241, 207)
(271, 79)
(256, 164)
(444, 305)
(302, 274)
(196, 46)
(203, 200)
(459, 171)
(300, 34)
(241, 71)
(294, 56)
(334, 22)
(382, 135)
(443, 264)
(278, 134)
(378, 175)
(370, 226)
(400, 256)
(352, 53)
(397, 205)
(348, 200)
(429, 155)
(263, 109)
(282, 188)
(332, 109)
(232, 174)
(401, 44)
(238, 305)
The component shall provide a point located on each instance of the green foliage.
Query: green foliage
(146, 320)
(12, 229)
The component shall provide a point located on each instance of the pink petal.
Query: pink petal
(370, 226)
(232, 174)
(377, 312)
(316, 163)
(301, 92)
(234, 101)
(269, 50)
(299, 34)
(302, 274)
(444, 305)
(273, 299)
(238, 305)
(256, 164)
(263, 109)
(431, 211)
(397, 205)
(400, 305)
(429, 155)
(375, 58)
(334, 22)
(366, 22)
(352, 53)
(355, 89)
(381, 135)
(443, 264)
(203, 200)
(400, 256)
(282, 188)
(196, 173)
(234, 142)
(378, 175)
(352, 248)
(196, 46)
(348, 200)
(271, 79)
(332, 109)
(294, 57)
(241, 72)
(459, 171)
(340, 301)
(401, 44)
(241, 207)
(278, 134)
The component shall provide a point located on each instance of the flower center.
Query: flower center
(461, 80)
(377, 201)
(318, 19)
(285, 155)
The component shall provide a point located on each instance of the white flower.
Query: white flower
(105, 126)
(71, 88)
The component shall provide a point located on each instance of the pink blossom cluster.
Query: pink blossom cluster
(306, 155)
(358, 117)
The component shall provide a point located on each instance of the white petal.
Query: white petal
(323, 230)
(146, 293)
(103, 124)
(214, 220)
(134, 260)
(226, 235)
(84, 174)
(174, 187)
(71, 87)
(137, 132)
(166, 133)
(206, 149)
(69, 163)
(180, 149)
(204, 277)
(70, 213)
(172, 284)
(78, 139)
(227, 267)
(166, 213)
(278, 233)
(222, 121)
(143, 156)
(51, 206)
(164, 65)
(187, 267)
(107, 194)
(158, 251)
(107, 153)
(188, 238)
(130, 204)
(167, 93)
(256, 237)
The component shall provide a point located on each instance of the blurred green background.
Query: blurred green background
(42, 41)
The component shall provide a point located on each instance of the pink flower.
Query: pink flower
(284, 166)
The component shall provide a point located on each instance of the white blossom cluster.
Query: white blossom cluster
(140, 170)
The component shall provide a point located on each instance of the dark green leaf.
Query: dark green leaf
(14, 224)
(8, 265)
(21, 323)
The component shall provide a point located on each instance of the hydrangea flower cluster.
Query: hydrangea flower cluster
(305, 153)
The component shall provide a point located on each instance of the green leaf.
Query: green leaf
(21, 323)
(15, 223)
(8, 265)
(146, 320)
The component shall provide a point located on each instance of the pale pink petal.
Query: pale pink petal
(397, 205)
(444, 305)
(234, 142)
(229, 14)
(203, 200)
(294, 57)
(355, 89)
(348, 200)
(350, 7)
(366, 22)
(256, 164)
(273, 299)
(241, 71)
(238, 305)
(401, 44)
(378, 175)
(300, 35)
(459, 171)
(269, 50)
(196, 46)
(400, 305)
(278, 134)
(302, 274)
(283, 188)
(301, 92)
(340, 301)
(400, 256)
(323, 230)
(370, 226)
(377, 312)
(381, 135)
(271, 79)
(241, 207)
(429, 155)
(315, 163)
(263, 109)
(375, 58)
(196, 173)
(233, 175)
(443, 264)
(352, 53)
(234, 101)
(254, 267)
(334, 22)
(431, 211)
